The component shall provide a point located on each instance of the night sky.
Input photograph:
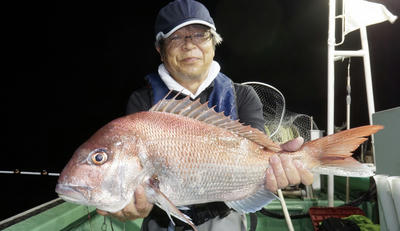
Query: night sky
(73, 64)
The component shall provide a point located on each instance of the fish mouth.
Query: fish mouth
(73, 193)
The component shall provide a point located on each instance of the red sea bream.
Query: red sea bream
(185, 153)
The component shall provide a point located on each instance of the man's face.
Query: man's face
(188, 53)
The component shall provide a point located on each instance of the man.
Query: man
(185, 39)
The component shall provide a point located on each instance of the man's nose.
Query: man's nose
(188, 41)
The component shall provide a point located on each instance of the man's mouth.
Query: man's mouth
(190, 60)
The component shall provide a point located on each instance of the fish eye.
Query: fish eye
(99, 157)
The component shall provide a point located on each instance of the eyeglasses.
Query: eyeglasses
(197, 38)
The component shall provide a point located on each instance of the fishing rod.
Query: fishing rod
(42, 173)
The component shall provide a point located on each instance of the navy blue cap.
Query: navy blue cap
(180, 13)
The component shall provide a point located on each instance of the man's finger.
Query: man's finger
(270, 183)
(280, 175)
(142, 205)
(293, 145)
(306, 175)
(138, 207)
(291, 171)
(101, 212)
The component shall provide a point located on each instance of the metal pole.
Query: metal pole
(367, 70)
(348, 103)
(368, 82)
(18, 172)
(331, 86)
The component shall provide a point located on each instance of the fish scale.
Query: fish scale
(223, 164)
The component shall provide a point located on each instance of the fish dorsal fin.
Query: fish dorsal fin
(201, 112)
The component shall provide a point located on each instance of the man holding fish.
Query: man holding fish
(202, 159)
(186, 38)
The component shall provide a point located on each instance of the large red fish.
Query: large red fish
(185, 153)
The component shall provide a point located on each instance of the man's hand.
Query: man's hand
(138, 207)
(284, 171)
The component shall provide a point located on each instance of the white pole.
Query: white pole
(285, 211)
(331, 85)
(348, 103)
(368, 82)
(344, 54)
(367, 70)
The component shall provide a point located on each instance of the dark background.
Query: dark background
(73, 64)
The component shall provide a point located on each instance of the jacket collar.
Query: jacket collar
(173, 85)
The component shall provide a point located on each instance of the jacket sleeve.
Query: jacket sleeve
(140, 100)
(250, 108)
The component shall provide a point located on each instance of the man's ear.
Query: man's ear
(159, 52)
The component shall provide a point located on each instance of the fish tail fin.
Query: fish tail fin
(333, 153)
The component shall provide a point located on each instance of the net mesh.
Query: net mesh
(281, 124)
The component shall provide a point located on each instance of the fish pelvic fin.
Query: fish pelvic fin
(162, 201)
(201, 112)
(335, 151)
(253, 203)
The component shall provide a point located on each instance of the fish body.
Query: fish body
(185, 153)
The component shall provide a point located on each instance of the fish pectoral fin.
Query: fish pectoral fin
(253, 203)
(162, 201)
